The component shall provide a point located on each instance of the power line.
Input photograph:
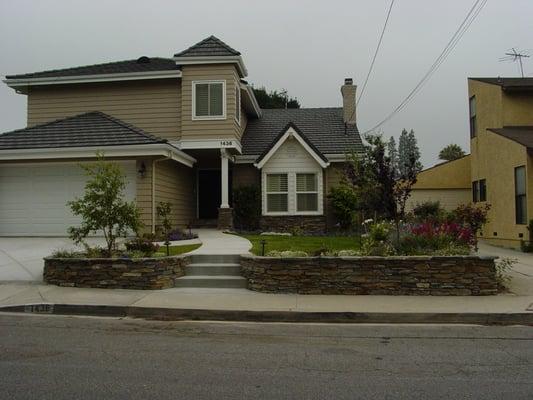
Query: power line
(463, 27)
(375, 53)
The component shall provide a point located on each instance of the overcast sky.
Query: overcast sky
(306, 47)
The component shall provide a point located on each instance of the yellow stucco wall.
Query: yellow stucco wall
(448, 175)
(494, 158)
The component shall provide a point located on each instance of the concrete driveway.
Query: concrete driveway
(521, 274)
(21, 259)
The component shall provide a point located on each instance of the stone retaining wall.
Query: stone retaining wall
(314, 224)
(440, 276)
(143, 273)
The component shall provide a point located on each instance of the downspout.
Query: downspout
(154, 162)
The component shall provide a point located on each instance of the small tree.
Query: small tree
(164, 210)
(451, 152)
(247, 207)
(344, 202)
(102, 206)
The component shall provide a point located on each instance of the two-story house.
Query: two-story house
(499, 169)
(501, 146)
(185, 129)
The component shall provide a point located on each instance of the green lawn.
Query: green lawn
(309, 244)
(176, 250)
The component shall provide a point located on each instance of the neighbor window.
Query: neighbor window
(520, 195)
(472, 109)
(209, 99)
(475, 191)
(483, 190)
(238, 104)
(277, 192)
(479, 190)
(306, 192)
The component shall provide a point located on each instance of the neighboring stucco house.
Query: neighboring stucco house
(186, 129)
(447, 182)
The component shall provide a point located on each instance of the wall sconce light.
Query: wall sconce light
(142, 170)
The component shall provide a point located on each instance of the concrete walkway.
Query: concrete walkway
(216, 242)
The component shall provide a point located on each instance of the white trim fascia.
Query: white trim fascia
(222, 143)
(336, 157)
(291, 133)
(249, 90)
(129, 76)
(157, 149)
(245, 159)
(197, 60)
(208, 117)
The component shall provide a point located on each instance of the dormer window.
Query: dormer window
(209, 100)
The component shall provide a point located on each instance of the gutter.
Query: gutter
(26, 82)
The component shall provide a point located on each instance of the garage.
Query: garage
(33, 197)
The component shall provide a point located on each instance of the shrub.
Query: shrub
(502, 270)
(247, 207)
(178, 234)
(142, 245)
(428, 210)
(64, 253)
(102, 207)
(287, 253)
(344, 202)
(475, 216)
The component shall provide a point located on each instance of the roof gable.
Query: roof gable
(291, 130)
(89, 129)
(323, 127)
(211, 46)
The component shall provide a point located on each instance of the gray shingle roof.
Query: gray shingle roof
(323, 127)
(211, 46)
(142, 64)
(84, 130)
(519, 134)
(508, 83)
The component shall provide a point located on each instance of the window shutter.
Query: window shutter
(202, 97)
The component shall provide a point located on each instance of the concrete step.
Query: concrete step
(210, 281)
(213, 269)
(215, 259)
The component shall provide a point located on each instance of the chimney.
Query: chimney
(348, 101)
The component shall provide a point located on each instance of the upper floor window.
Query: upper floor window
(238, 104)
(472, 111)
(520, 195)
(209, 99)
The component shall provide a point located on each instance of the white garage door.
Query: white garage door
(33, 197)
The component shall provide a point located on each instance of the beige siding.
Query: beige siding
(152, 105)
(209, 129)
(174, 183)
(449, 199)
(144, 193)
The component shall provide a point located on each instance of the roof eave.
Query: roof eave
(23, 83)
(192, 60)
(135, 150)
(255, 108)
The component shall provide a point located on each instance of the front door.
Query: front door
(209, 193)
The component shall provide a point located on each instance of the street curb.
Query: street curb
(179, 314)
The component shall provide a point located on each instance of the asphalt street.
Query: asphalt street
(54, 357)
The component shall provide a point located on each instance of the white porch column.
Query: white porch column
(224, 157)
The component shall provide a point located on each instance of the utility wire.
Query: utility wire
(375, 53)
(465, 24)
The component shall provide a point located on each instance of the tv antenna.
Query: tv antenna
(513, 56)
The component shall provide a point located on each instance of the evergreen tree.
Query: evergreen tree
(392, 152)
(408, 153)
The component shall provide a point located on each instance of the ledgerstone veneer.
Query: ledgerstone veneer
(439, 276)
(143, 273)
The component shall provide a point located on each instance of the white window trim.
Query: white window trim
(238, 104)
(208, 117)
(292, 193)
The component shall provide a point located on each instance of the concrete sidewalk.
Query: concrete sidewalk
(217, 303)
